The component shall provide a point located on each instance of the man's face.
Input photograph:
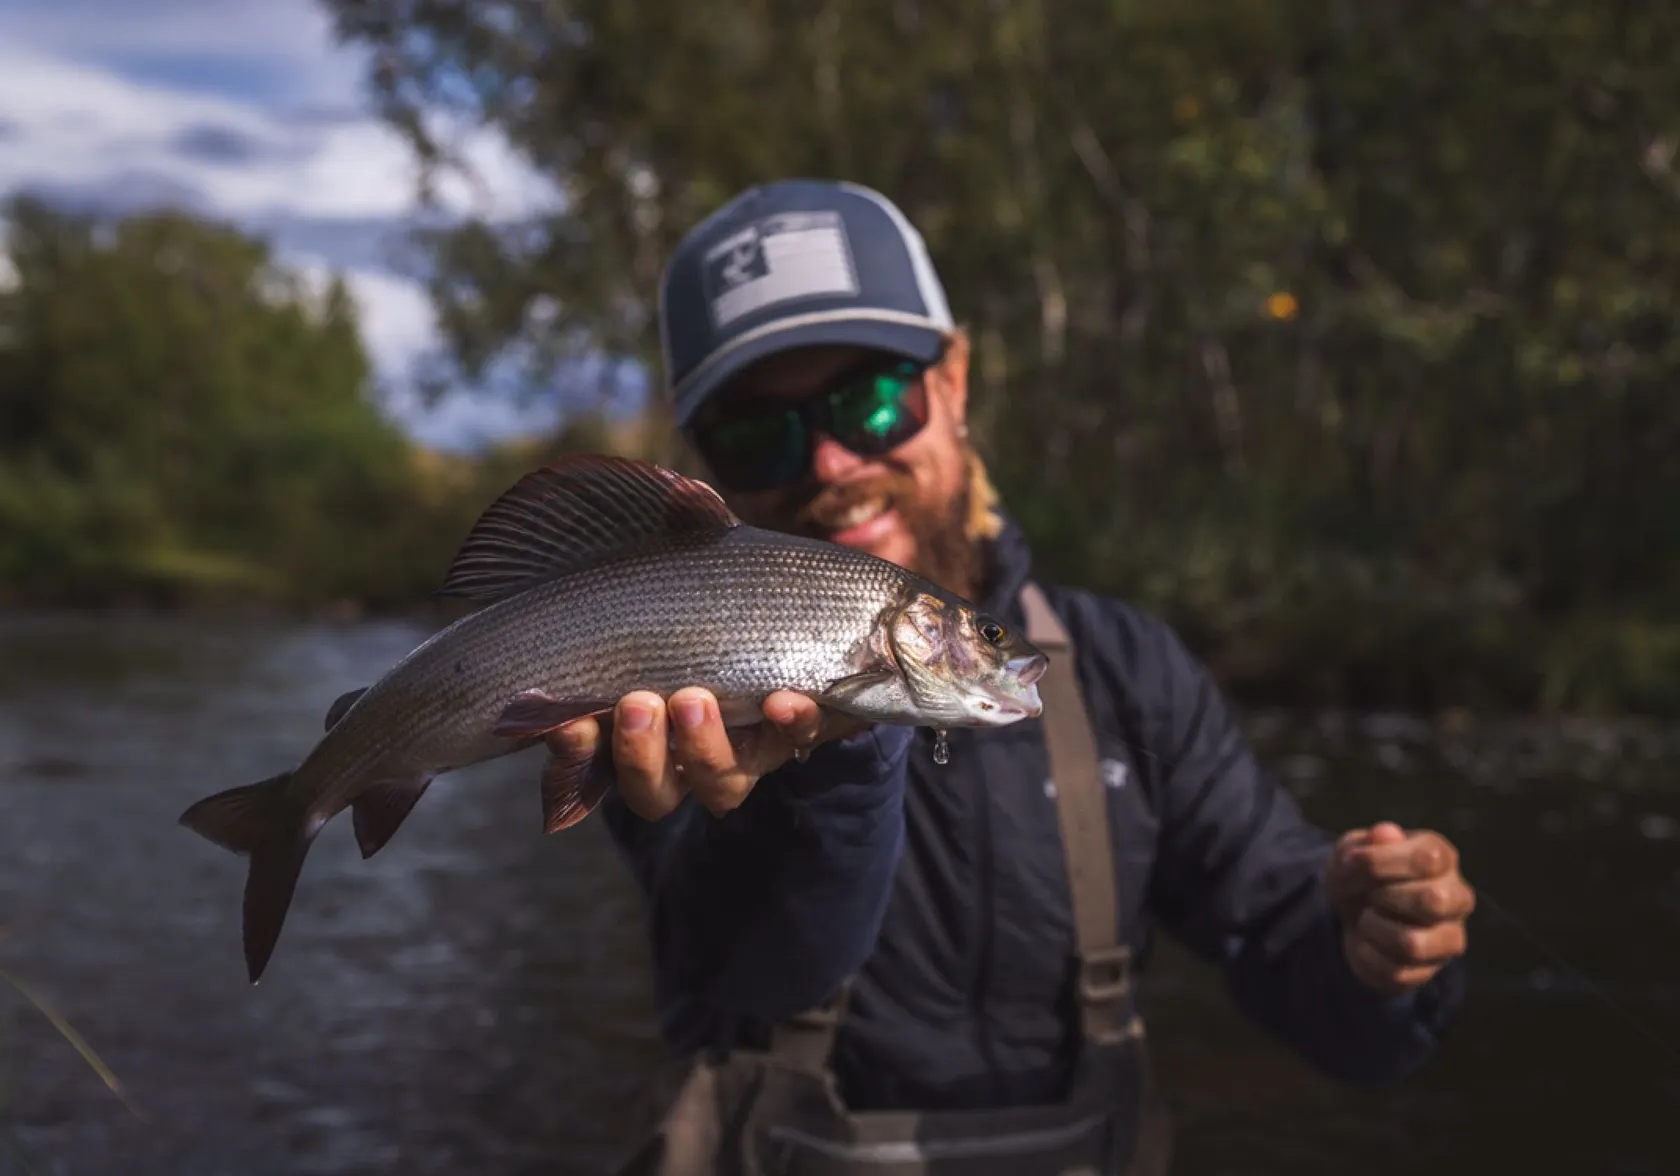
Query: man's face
(907, 505)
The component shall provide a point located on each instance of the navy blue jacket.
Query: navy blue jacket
(944, 889)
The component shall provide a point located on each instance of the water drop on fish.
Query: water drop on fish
(941, 747)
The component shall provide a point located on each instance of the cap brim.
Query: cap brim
(920, 343)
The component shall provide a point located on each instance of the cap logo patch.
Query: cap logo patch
(778, 259)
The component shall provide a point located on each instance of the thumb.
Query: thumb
(1339, 878)
(1386, 833)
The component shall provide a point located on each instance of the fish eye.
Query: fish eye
(991, 632)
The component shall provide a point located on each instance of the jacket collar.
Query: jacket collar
(1008, 560)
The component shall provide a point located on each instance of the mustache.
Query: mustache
(823, 511)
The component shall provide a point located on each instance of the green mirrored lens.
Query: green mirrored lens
(872, 410)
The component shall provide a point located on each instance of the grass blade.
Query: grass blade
(77, 1042)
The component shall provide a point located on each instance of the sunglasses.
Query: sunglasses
(869, 412)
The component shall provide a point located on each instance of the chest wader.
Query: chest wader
(778, 1112)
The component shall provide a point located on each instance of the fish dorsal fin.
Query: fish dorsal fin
(577, 511)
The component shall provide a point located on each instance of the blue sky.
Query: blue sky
(246, 109)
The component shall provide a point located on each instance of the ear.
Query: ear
(949, 381)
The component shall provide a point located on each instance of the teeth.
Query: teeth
(859, 514)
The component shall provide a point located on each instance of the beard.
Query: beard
(945, 553)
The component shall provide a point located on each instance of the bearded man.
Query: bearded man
(878, 963)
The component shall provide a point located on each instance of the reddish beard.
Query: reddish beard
(945, 553)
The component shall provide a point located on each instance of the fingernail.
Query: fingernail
(636, 719)
(690, 712)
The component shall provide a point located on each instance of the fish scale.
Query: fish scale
(578, 612)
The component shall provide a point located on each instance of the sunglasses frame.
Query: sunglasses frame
(815, 414)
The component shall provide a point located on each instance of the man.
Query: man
(886, 964)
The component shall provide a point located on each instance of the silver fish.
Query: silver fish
(600, 576)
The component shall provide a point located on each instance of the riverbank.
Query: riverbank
(1280, 616)
(1314, 658)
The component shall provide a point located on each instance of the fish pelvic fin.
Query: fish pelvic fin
(577, 511)
(377, 813)
(264, 822)
(573, 782)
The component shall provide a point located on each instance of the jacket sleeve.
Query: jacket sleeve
(1238, 878)
(765, 911)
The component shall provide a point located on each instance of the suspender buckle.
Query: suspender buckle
(806, 1038)
(1104, 974)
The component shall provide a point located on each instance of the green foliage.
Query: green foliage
(1351, 325)
(181, 419)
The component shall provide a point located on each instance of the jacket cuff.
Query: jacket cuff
(868, 758)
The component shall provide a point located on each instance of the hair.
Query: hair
(982, 521)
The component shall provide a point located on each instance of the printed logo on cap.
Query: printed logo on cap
(780, 258)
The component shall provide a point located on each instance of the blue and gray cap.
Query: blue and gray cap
(794, 264)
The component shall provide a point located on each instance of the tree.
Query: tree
(1281, 310)
(177, 412)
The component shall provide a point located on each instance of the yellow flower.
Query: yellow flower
(1282, 305)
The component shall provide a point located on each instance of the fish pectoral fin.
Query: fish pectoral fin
(849, 689)
(342, 704)
(576, 511)
(573, 783)
(380, 810)
(534, 713)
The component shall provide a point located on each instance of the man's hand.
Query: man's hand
(663, 751)
(1403, 904)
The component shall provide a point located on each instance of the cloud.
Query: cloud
(220, 143)
(280, 49)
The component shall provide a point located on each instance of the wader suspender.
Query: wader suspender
(806, 1039)
(1082, 808)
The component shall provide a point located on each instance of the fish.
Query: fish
(591, 577)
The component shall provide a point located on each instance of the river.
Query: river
(476, 998)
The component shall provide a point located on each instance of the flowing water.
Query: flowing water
(476, 998)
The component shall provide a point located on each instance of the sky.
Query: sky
(248, 110)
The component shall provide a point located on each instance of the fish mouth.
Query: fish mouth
(1027, 670)
(996, 705)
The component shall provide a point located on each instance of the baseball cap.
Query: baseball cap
(796, 263)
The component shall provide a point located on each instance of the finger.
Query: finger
(1341, 856)
(704, 753)
(1407, 945)
(1352, 838)
(1421, 855)
(806, 723)
(796, 717)
(1435, 900)
(647, 779)
(1378, 972)
(576, 738)
(1346, 888)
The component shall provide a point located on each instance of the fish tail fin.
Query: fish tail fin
(242, 818)
(264, 822)
(275, 866)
